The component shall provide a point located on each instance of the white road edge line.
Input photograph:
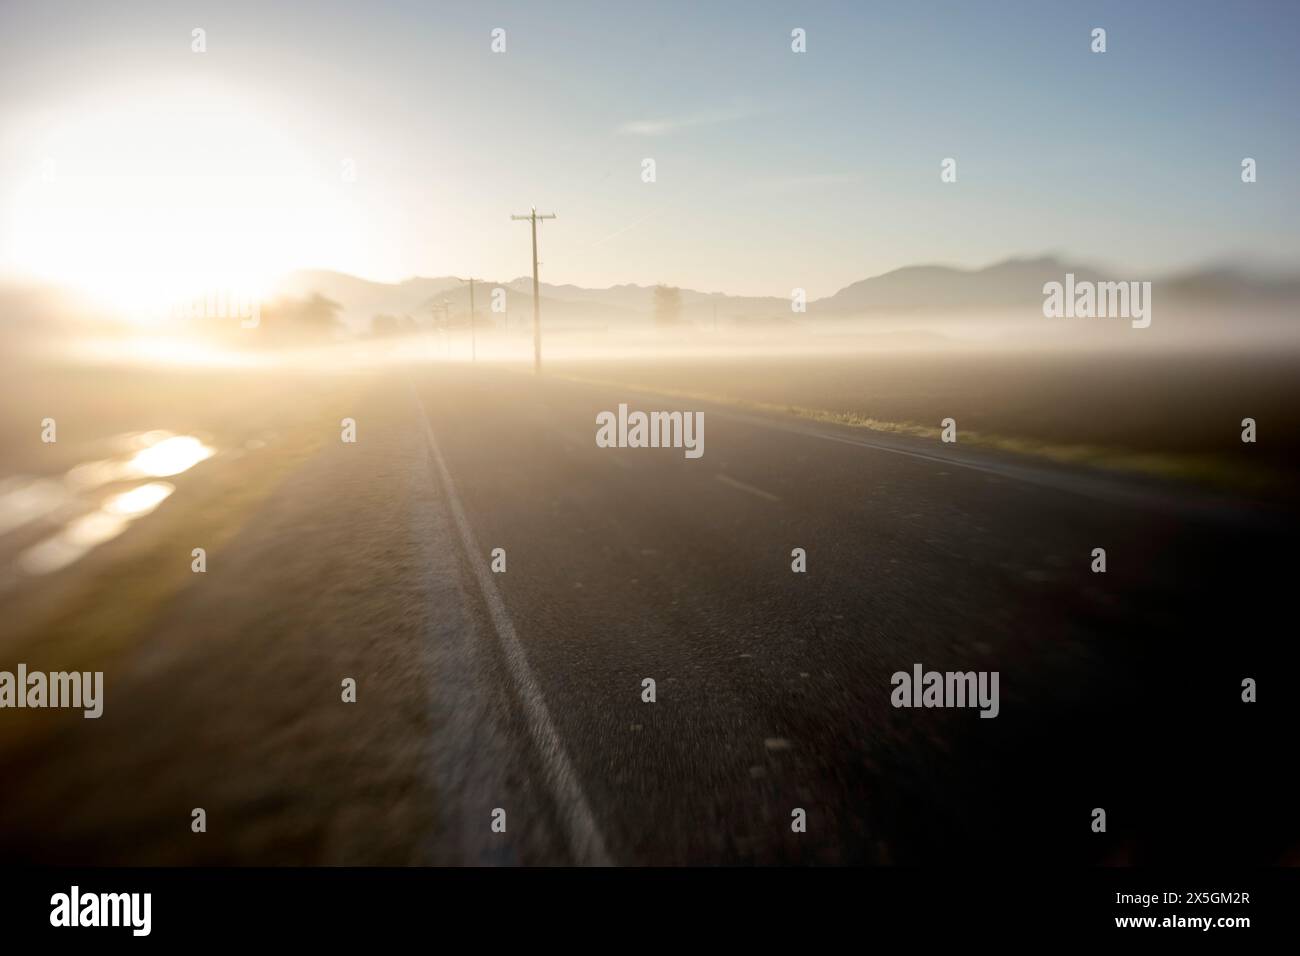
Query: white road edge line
(728, 480)
(581, 831)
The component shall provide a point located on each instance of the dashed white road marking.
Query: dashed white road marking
(728, 480)
(581, 830)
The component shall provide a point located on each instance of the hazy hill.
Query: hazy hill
(640, 298)
(1015, 282)
(1014, 286)
(360, 299)
(1234, 285)
(36, 309)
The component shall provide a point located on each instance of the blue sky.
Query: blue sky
(774, 169)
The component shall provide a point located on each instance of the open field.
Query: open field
(1173, 415)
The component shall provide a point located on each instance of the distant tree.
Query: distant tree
(317, 315)
(383, 326)
(667, 305)
(290, 320)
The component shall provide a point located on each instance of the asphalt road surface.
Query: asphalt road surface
(522, 691)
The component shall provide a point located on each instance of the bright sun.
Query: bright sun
(145, 199)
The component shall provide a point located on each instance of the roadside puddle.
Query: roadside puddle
(91, 517)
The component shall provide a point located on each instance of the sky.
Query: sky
(388, 140)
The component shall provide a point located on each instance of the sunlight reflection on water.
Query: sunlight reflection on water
(171, 456)
(89, 531)
(154, 454)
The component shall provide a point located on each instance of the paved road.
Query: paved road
(523, 690)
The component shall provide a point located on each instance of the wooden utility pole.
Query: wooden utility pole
(473, 347)
(537, 300)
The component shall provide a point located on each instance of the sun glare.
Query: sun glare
(147, 200)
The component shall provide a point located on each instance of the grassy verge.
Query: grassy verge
(86, 616)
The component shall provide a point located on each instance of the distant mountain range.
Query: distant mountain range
(1011, 289)
(1013, 285)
